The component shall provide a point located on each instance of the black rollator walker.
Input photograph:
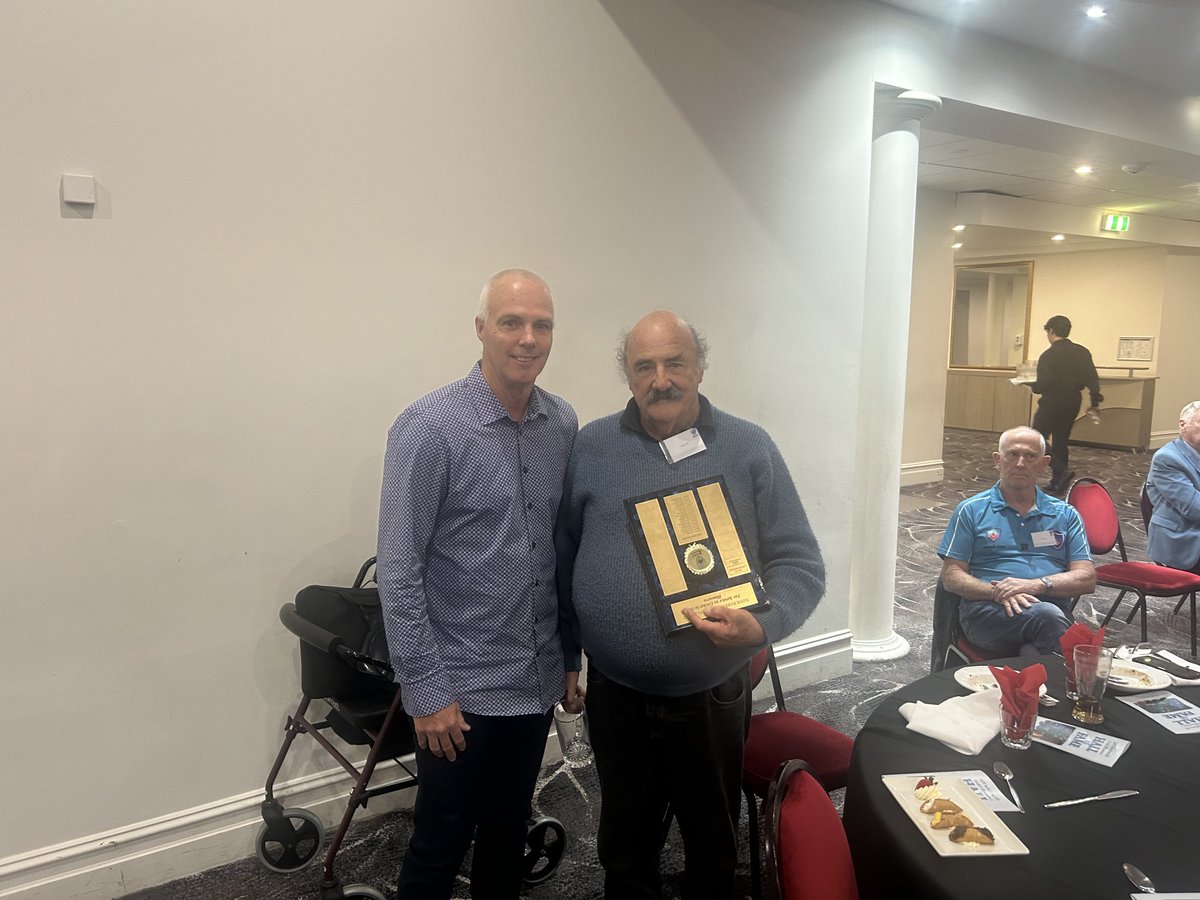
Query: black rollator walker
(344, 663)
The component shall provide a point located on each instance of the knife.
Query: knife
(1111, 795)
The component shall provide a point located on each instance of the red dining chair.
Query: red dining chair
(1103, 526)
(781, 735)
(808, 857)
(948, 638)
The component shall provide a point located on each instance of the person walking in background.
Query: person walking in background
(1174, 488)
(471, 485)
(1063, 371)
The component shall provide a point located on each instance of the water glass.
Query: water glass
(573, 737)
(1092, 667)
(1016, 730)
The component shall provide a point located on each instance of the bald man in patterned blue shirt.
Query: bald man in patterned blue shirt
(471, 486)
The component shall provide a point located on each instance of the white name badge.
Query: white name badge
(1046, 538)
(682, 445)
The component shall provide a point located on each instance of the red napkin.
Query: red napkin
(1075, 636)
(1019, 690)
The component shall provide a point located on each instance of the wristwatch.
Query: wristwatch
(1045, 579)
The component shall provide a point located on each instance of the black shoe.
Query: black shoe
(1059, 486)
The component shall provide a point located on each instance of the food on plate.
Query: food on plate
(940, 804)
(971, 834)
(949, 820)
(927, 788)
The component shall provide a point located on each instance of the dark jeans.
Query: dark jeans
(484, 794)
(682, 751)
(1033, 632)
(1054, 418)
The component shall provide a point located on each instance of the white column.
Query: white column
(890, 226)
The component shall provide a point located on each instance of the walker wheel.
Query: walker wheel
(291, 845)
(545, 844)
(361, 892)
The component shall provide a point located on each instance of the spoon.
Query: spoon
(1138, 878)
(1005, 772)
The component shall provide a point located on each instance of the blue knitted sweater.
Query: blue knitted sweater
(604, 601)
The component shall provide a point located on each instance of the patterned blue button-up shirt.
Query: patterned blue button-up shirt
(466, 550)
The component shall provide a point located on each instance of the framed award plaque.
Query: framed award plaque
(692, 551)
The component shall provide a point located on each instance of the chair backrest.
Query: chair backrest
(1147, 506)
(807, 855)
(1099, 514)
(948, 638)
(760, 663)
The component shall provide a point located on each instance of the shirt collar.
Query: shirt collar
(488, 404)
(1040, 501)
(631, 419)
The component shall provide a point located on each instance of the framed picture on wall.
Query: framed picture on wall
(1140, 349)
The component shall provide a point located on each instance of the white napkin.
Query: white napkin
(1180, 661)
(965, 724)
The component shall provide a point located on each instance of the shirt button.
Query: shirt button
(529, 506)
(533, 545)
(525, 469)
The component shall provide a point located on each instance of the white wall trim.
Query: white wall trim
(149, 853)
(922, 472)
(155, 851)
(1162, 438)
(811, 660)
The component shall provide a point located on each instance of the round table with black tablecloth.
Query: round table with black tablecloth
(1074, 851)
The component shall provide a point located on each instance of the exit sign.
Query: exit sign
(1114, 223)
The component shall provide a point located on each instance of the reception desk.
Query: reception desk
(986, 400)
(1124, 415)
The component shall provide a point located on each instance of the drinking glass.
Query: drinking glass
(1072, 691)
(573, 737)
(1015, 730)
(1092, 666)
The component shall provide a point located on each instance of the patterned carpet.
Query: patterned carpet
(372, 852)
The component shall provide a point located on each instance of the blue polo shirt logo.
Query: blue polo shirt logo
(993, 534)
(1059, 539)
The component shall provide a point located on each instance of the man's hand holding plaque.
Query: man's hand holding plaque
(727, 627)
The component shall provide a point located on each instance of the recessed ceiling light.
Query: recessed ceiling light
(958, 228)
(1083, 170)
(1059, 237)
(956, 245)
(1095, 12)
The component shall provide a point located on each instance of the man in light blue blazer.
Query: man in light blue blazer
(1174, 488)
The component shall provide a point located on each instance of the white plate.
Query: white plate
(902, 787)
(1141, 678)
(980, 678)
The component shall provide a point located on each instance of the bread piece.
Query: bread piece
(940, 804)
(971, 834)
(949, 820)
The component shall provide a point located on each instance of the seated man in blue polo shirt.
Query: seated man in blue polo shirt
(1016, 556)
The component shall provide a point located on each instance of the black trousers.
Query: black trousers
(683, 751)
(1054, 418)
(485, 794)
